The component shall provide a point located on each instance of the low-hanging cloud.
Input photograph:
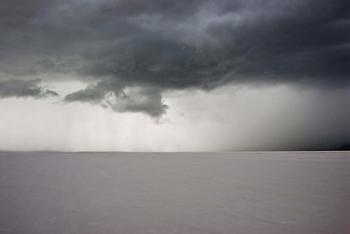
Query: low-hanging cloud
(24, 88)
(160, 45)
(121, 98)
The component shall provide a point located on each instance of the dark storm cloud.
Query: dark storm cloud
(121, 98)
(168, 44)
(24, 88)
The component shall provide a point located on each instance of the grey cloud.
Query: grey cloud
(167, 44)
(24, 88)
(121, 98)
(143, 100)
(91, 94)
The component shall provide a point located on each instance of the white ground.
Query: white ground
(243, 193)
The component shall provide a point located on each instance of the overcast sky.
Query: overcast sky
(174, 75)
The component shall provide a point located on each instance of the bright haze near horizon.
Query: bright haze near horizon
(166, 75)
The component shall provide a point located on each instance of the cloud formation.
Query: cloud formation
(121, 98)
(152, 46)
(24, 88)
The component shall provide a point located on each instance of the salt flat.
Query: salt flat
(243, 193)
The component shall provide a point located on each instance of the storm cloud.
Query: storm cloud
(129, 52)
(24, 88)
(121, 98)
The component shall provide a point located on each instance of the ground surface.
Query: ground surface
(243, 193)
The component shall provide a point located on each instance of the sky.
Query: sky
(166, 75)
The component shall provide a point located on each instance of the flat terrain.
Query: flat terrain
(189, 193)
